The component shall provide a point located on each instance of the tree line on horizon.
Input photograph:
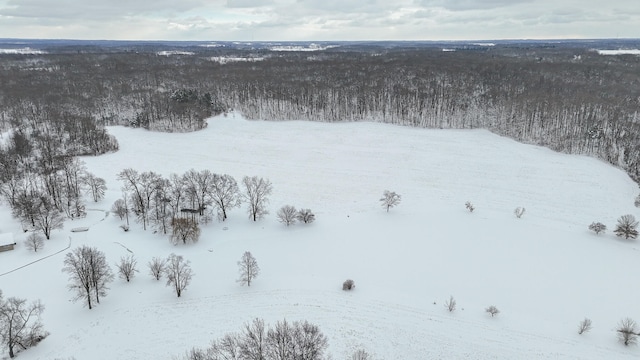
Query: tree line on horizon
(568, 99)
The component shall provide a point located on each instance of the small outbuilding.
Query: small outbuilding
(7, 242)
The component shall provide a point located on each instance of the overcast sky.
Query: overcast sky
(254, 20)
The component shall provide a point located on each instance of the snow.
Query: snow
(310, 47)
(619, 52)
(174, 52)
(230, 59)
(23, 51)
(545, 271)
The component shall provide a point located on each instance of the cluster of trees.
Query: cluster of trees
(20, 325)
(90, 273)
(288, 215)
(42, 194)
(180, 203)
(299, 340)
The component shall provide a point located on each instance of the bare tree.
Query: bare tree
(627, 332)
(178, 273)
(97, 186)
(597, 227)
(253, 344)
(185, 230)
(492, 310)
(198, 185)
(248, 268)
(89, 273)
(305, 216)
(157, 267)
(34, 242)
(469, 206)
(48, 217)
(360, 354)
(287, 215)
(127, 267)
(390, 199)
(257, 191)
(119, 208)
(310, 342)
(280, 342)
(518, 212)
(627, 227)
(20, 325)
(450, 304)
(224, 194)
(227, 348)
(584, 326)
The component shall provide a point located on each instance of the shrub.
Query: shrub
(597, 227)
(492, 310)
(348, 285)
(626, 227)
(450, 304)
(585, 326)
(627, 331)
(305, 216)
(518, 212)
(469, 206)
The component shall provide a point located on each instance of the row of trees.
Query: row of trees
(299, 340)
(90, 274)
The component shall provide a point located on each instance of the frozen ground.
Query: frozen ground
(545, 271)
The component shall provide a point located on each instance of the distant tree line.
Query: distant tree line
(568, 99)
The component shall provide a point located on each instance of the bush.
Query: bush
(492, 310)
(518, 212)
(348, 285)
(469, 206)
(585, 326)
(450, 304)
(627, 332)
(626, 227)
(597, 227)
(305, 216)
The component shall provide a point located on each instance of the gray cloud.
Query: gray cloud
(463, 5)
(248, 3)
(318, 19)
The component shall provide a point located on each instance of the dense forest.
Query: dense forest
(55, 103)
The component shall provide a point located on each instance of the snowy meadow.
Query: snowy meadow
(545, 271)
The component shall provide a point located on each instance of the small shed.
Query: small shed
(6, 242)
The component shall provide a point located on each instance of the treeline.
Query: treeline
(571, 100)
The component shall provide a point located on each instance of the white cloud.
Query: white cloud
(318, 20)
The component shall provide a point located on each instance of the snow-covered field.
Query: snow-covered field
(545, 271)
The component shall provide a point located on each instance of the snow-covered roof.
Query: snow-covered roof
(6, 239)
